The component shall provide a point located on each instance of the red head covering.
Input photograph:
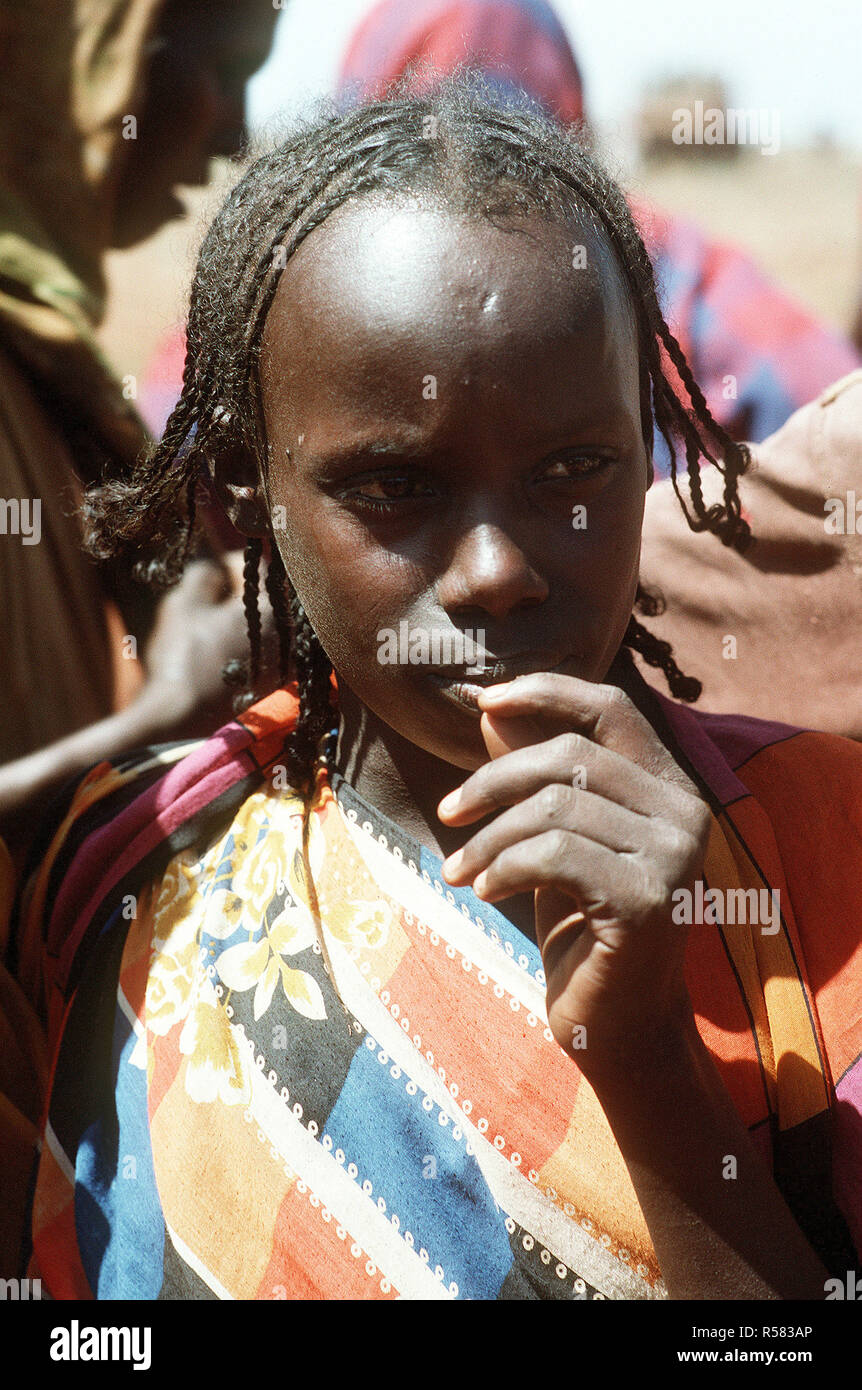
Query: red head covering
(519, 45)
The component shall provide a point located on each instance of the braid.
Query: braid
(191, 513)
(480, 160)
(313, 672)
(276, 579)
(732, 460)
(250, 596)
(656, 652)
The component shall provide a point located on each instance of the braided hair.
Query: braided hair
(461, 147)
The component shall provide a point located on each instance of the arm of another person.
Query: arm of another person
(774, 632)
(200, 626)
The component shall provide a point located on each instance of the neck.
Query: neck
(395, 776)
(403, 781)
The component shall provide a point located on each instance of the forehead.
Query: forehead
(386, 288)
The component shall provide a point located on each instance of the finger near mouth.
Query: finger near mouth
(461, 692)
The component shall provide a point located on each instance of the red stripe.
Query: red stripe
(522, 1084)
(310, 1261)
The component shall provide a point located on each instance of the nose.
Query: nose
(488, 570)
(230, 131)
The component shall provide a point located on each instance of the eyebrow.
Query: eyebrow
(342, 457)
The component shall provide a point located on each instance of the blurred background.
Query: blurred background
(797, 212)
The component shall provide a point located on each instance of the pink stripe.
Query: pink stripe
(184, 789)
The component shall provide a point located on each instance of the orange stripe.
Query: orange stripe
(55, 1239)
(310, 1261)
(589, 1172)
(219, 1186)
(522, 1084)
(724, 1024)
(777, 990)
(808, 790)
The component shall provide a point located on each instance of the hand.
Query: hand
(200, 627)
(603, 858)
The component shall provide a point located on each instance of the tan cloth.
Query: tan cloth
(57, 670)
(71, 71)
(23, 1087)
(793, 603)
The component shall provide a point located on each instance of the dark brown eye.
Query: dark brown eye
(574, 466)
(383, 493)
(388, 489)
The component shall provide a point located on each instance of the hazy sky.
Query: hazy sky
(801, 57)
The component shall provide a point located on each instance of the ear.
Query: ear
(235, 481)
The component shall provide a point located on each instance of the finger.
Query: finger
(599, 880)
(605, 713)
(519, 774)
(204, 582)
(504, 735)
(234, 564)
(553, 807)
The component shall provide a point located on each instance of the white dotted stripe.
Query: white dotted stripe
(499, 1141)
(343, 1234)
(340, 1157)
(444, 890)
(511, 1186)
(501, 1144)
(427, 1103)
(369, 845)
(547, 1258)
(334, 1182)
(482, 976)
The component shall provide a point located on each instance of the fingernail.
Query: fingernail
(453, 863)
(479, 885)
(496, 692)
(450, 802)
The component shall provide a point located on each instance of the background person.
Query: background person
(77, 79)
(104, 112)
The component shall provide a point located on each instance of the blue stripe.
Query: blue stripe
(423, 1173)
(118, 1215)
(515, 944)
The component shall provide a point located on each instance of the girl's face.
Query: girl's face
(457, 467)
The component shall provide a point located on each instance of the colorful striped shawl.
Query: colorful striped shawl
(302, 1066)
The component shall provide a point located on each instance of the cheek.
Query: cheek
(182, 109)
(601, 568)
(349, 588)
(605, 539)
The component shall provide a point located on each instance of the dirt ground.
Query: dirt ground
(798, 213)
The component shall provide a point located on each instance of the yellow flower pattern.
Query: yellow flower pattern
(231, 921)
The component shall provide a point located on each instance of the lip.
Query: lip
(493, 670)
(462, 693)
(464, 684)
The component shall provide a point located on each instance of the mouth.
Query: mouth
(464, 684)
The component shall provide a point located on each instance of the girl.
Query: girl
(500, 977)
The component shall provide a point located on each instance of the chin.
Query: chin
(139, 221)
(446, 732)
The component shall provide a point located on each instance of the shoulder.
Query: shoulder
(808, 783)
(818, 445)
(119, 828)
(771, 759)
